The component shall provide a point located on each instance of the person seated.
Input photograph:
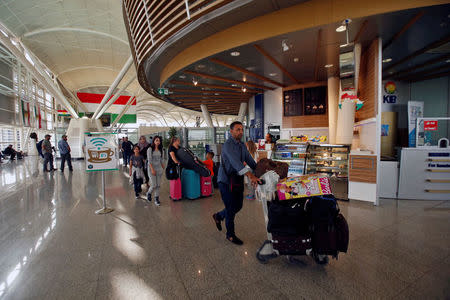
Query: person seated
(10, 151)
(209, 162)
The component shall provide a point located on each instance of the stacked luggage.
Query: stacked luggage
(298, 223)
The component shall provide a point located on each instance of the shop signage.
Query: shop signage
(390, 89)
(430, 125)
(162, 91)
(101, 151)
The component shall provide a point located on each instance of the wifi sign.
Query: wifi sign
(99, 142)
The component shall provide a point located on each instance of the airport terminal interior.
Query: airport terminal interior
(126, 127)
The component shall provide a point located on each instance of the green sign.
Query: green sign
(162, 91)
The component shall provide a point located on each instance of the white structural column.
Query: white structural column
(333, 101)
(46, 82)
(113, 86)
(124, 110)
(242, 112)
(113, 99)
(206, 115)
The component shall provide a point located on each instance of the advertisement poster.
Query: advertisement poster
(101, 151)
(430, 125)
(415, 110)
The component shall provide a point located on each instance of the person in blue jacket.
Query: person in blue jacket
(236, 163)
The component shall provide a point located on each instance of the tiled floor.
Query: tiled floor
(53, 246)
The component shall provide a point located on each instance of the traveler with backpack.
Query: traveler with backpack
(155, 167)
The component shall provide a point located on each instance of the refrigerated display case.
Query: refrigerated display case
(294, 154)
(333, 161)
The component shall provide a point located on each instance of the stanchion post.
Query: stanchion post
(105, 209)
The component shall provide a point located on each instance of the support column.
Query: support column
(113, 86)
(242, 112)
(206, 115)
(113, 99)
(333, 102)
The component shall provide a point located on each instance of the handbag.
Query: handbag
(173, 172)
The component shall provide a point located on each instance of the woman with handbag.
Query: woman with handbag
(155, 168)
(173, 172)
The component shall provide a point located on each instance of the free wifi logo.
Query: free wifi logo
(99, 142)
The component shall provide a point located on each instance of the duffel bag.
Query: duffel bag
(265, 164)
(287, 218)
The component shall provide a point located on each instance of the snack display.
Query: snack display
(303, 186)
(305, 138)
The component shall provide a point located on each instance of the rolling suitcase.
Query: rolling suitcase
(189, 161)
(206, 186)
(190, 184)
(175, 189)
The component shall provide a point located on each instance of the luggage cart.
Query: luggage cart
(277, 246)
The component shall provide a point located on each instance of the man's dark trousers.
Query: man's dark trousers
(67, 157)
(233, 204)
(48, 158)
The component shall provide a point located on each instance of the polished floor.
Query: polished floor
(53, 246)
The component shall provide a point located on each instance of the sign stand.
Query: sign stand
(105, 209)
(101, 155)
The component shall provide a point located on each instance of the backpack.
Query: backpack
(39, 145)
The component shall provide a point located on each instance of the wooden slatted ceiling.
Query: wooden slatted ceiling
(238, 82)
(213, 86)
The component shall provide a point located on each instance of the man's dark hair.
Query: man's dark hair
(234, 124)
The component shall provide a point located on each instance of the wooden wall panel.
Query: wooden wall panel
(368, 82)
(363, 168)
(305, 121)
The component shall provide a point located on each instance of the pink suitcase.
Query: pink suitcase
(175, 189)
(206, 186)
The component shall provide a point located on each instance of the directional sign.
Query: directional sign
(162, 91)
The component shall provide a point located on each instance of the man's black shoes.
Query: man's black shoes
(235, 240)
(218, 222)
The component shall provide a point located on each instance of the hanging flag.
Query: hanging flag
(63, 113)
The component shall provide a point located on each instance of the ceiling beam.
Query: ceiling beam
(427, 63)
(245, 71)
(360, 31)
(202, 99)
(204, 92)
(213, 86)
(239, 82)
(277, 64)
(431, 76)
(316, 64)
(425, 73)
(431, 46)
(404, 29)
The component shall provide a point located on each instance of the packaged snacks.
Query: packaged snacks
(303, 186)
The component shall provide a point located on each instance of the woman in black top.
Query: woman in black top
(173, 147)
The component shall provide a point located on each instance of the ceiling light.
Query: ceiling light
(244, 89)
(273, 74)
(341, 28)
(216, 100)
(195, 82)
(386, 60)
(179, 102)
(244, 79)
(251, 68)
(4, 33)
(235, 53)
(234, 84)
(200, 66)
(328, 66)
(296, 59)
(217, 94)
(182, 76)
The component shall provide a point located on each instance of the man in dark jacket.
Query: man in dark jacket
(236, 162)
(127, 151)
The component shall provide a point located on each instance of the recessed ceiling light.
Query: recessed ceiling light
(182, 76)
(296, 59)
(273, 74)
(386, 60)
(216, 100)
(195, 82)
(179, 102)
(235, 53)
(200, 66)
(217, 94)
(244, 89)
(328, 66)
(234, 84)
(341, 28)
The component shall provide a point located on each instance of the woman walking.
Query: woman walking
(172, 163)
(137, 163)
(143, 146)
(155, 168)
